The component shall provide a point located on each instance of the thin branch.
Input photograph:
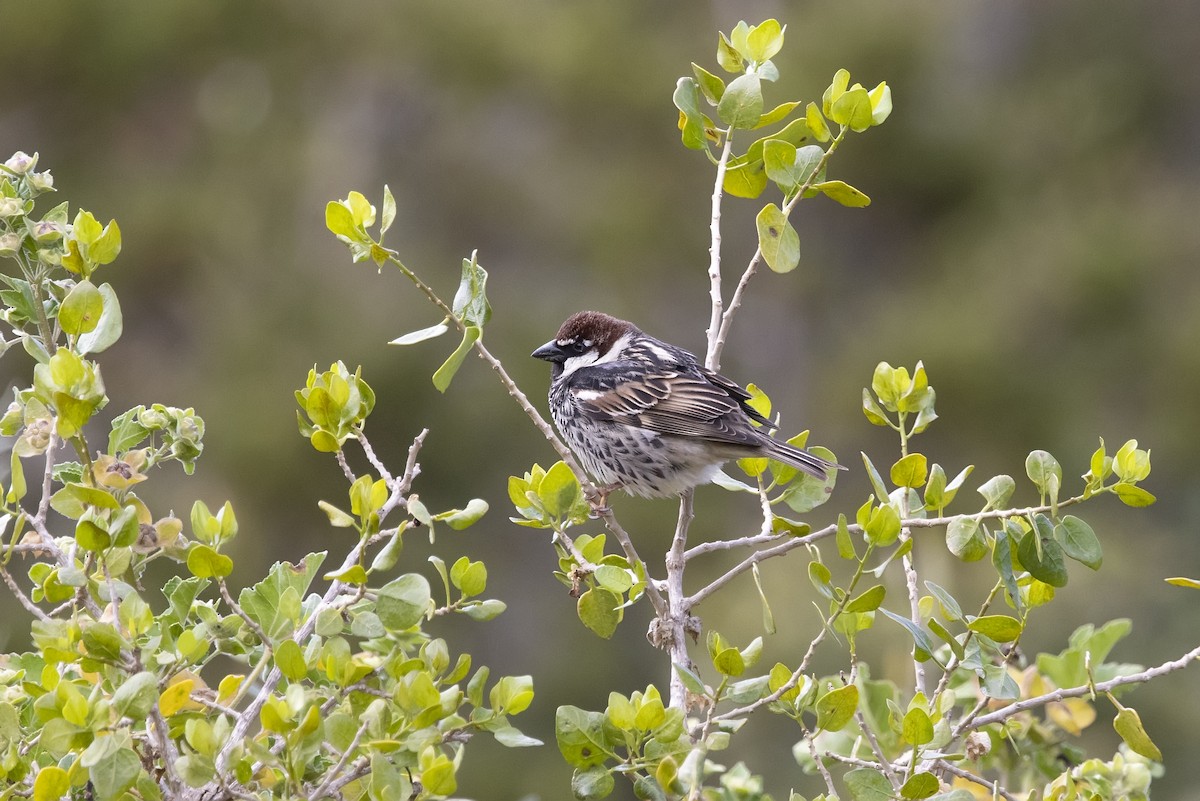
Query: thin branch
(914, 596)
(251, 712)
(830, 530)
(886, 766)
(372, 458)
(714, 360)
(257, 629)
(993, 787)
(20, 595)
(824, 771)
(656, 599)
(340, 455)
(726, 545)
(714, 256)
(1007, 712)
(47, 480)
(678, 607)
(331, 775)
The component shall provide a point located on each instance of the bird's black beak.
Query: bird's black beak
(550, 352)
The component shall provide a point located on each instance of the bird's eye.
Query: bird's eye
(578, 346)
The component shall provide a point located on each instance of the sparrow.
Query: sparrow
(647, 417)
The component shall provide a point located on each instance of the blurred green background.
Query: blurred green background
(1033, 237)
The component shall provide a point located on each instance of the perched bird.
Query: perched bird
(647, 417)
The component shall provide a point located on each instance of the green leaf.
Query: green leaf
(1079, 541)
(1000, 628)
(921, 785)
(778, 240)
(836, 708)
(728, 56)
(816, 123)
(106, 246)
(421, 335)
(1131, 495)
(580, 736)
(559, 490)
(290, 660)
(836, 88)
(843, 193)
(403, 601)
(51, 783)
(965, 539)
(116, 774)
(600, 611)
(1041, 554)
(692, 122)
(881, 103)
(917, 728)
(592, 783)
(389, 211)
(204, 562)
(997, 490)
(852, 109)
(470, 301)
(339, 220)
(764, 41)
(445, 373)
(81, 309)
(866, 784)
(1129, 725)
(712, 86)
(135, 697)
(776, 114)
(950, 608)
(845, 545)
(1041, 467)
(923, 647)
(337, 518)
(742, 103)
(869, 601)
(910, 471)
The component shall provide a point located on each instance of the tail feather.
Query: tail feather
(799, 459)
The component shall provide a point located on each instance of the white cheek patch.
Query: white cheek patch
(575, 362)
(616, 351)
(590, 357)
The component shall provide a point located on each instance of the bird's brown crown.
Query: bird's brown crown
(601, 329)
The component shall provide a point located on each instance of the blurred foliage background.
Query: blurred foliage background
(1033, 238)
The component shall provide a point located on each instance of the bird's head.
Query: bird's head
(586, 337)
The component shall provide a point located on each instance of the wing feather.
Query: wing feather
(675, 403)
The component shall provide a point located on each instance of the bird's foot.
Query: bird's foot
(599, 501)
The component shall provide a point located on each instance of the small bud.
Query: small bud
(41, 181)
(50, 257)
(21, 163)
(191, 428)
(11, 207)
(10, 243)
(47, 231)
(152, 419)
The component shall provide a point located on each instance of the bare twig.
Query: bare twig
(886, 766)
(372, 458)
(712, 360)
(622, 536)
(993, 787)
(330, 775)
(20, 595)
(336, 588)
(715, 348)
(678, 608)
(340, 455)
(1075, 692)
